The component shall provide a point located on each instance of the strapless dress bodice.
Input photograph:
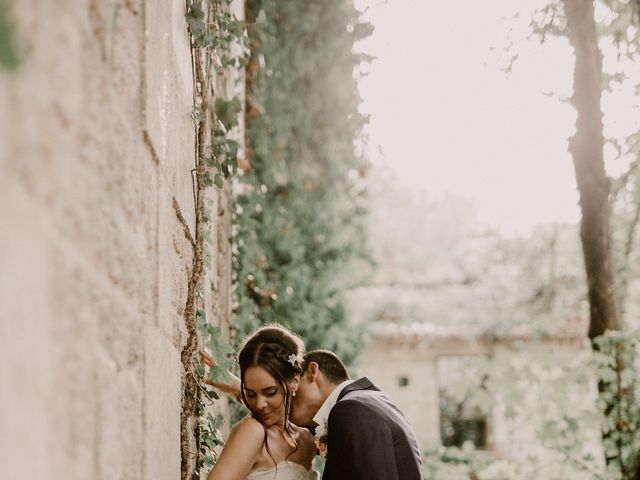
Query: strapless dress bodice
(284, 471)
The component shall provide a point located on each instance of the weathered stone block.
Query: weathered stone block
(168, 100)
(162, 383)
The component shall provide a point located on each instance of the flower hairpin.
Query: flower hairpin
(292, 359)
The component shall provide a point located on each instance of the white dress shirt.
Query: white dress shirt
(323, 414)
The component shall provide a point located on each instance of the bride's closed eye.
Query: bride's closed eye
(270, 392)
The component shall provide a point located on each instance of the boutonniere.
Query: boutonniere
(321, 444)
(321, 440)
(321, 435)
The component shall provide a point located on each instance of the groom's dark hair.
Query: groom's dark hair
(329, 364)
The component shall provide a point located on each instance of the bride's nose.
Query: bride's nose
(262, 403)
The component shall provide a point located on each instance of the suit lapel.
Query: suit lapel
(361, 384)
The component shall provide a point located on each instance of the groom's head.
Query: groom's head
(322, 372)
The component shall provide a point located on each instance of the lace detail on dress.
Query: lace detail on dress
(285, 471)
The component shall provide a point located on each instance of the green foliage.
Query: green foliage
(208, 430)
(617, 367)
(223, 161)
(555, 401)
(222, 34)
(218, 348)
(8, 54)
(622, 25)
(222, 38)
(301, 203)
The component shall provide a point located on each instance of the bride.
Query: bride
(266, 445)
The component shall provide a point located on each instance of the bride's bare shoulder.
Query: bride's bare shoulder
(249, 429)
(240, 451)
(304, 435)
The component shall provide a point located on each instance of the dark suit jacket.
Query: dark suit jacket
(369, 438)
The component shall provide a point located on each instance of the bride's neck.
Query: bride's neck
(281, 426)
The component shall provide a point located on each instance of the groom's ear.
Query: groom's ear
(313, 370)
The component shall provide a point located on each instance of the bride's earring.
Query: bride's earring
(293, 394)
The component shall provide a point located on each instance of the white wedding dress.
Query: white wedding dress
(285, 471)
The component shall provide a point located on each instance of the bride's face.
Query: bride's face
(265, 396)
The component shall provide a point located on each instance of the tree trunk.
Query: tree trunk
(586, 148)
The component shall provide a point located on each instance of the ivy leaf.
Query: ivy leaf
(262, 17)
(195, 19)
(219, 421)
(236, 27)
(212, 395)
(227, 111)
(219, 374)
(218, 180)
(232, 147)
(197, 115)
(207, 180)
(202, 320)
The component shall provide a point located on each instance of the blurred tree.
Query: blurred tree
(586, 148)
(301, 199)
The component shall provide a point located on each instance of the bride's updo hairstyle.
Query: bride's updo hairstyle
(279, 351)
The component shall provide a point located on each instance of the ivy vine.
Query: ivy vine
(218, 48)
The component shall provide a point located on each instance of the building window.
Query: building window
(460, 424)
(403, 381)
(461, 419)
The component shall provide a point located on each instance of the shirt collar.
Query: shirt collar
(323, 414)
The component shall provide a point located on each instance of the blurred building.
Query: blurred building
(422, 366)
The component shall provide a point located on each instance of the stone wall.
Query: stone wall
(96, 240)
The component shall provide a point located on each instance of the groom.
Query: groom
(365, 434)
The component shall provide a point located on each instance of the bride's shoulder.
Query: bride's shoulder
(249, 430)
(305, 436)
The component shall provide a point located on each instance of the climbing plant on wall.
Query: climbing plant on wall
(299, 196)
(301, 203)
(218, 49)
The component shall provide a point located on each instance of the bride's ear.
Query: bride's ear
(295, 383)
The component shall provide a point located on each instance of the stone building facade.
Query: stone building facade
(97, 148)
(415, 362)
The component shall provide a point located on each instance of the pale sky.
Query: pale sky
(446, 119)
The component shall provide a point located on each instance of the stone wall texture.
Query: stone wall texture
(96, 225)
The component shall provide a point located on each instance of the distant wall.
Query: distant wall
(387, 360)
